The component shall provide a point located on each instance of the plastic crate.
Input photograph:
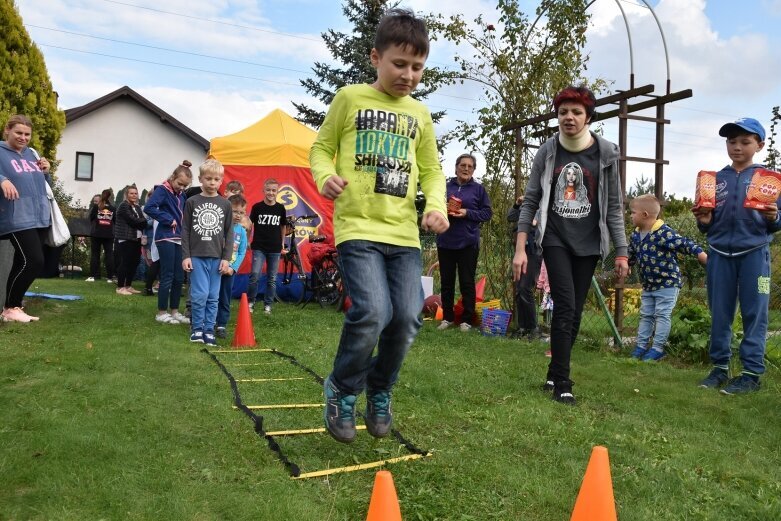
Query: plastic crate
(488, 304)
(495, 322)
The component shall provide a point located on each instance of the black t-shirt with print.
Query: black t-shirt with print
(573, 215)
(267, 222)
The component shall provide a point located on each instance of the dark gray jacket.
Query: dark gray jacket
(611, 198)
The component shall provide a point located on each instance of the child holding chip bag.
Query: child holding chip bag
(738, 268)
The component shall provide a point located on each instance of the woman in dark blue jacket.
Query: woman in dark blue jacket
(24, 211)
(166, 206)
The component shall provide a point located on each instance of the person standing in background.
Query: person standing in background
(101, 217)
(459, 247)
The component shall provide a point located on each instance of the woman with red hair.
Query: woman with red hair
(575, 185)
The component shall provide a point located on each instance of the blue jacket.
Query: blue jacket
(31, 209)
(656, 256)
(464, 232)
(167, 208)
(735, 230)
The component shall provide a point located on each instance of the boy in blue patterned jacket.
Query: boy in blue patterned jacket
(654, 248)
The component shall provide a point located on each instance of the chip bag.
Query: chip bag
(705, 193)
(764, 189)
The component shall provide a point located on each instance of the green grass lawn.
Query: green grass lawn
(110, 415)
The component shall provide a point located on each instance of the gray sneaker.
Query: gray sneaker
(339, 413)
(379, 416)
(745, 383)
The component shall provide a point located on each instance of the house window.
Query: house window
(84, 164)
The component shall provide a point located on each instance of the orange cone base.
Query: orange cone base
(384, 505)
(595, 500)
(245, 333)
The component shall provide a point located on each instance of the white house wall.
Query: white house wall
(131, 145)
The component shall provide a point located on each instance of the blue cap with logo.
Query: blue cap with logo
(750, 125)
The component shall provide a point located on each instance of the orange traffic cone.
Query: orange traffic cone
(384, 505)
(595, 500)
(439, 314)
(245, 333)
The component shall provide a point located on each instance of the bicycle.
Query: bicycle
(324, 283)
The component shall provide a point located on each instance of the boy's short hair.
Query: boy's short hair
(401, 27)
(743, 126)
(234, 186)
(270, 181)
(648, 203)
(211, 166)
(237, 200)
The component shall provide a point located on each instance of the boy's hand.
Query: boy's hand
(770, 213)
(333, 187)
(702, 258)
(225, 267)
(703, 215)
(187, 264)
(519, 263)
(434, 222)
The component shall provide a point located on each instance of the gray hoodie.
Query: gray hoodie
(611, 198)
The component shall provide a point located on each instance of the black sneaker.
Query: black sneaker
(339, 413)
(221, 333)
(548, 386)
(562, 392)
(715, 379)
(148, 292)
(745, 383)
(378, 413)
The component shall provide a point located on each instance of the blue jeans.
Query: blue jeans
(204, 293)
(271, 260)
(744, 279)
(171, 275)
(383, 282)
(224, 305)
(656, 309)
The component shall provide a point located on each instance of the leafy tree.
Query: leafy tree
(520, 63)
(352, 51)
(773, 160)
(25, 87)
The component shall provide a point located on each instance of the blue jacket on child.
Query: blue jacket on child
(735, 230)
(167, 208)
(656, 256)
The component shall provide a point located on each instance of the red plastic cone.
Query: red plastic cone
(384, 505)
(595, 500)
(245, 333)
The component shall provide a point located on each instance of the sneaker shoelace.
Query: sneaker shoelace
(380, 401)
(346, 406)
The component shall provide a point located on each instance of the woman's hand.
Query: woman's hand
(43, 164)
(519, 263)
(9, 190)
(622, 267)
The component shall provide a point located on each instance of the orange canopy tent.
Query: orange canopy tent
(277, 147)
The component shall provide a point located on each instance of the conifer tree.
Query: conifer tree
(352, 51)
(25, 87)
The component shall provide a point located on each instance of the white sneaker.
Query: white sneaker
(166, 318)
(444, 325)
(464, 327)
(181, 319)
(251, 307)
(267, 310)
(90, 279)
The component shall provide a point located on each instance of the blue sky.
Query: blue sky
(246, 57)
